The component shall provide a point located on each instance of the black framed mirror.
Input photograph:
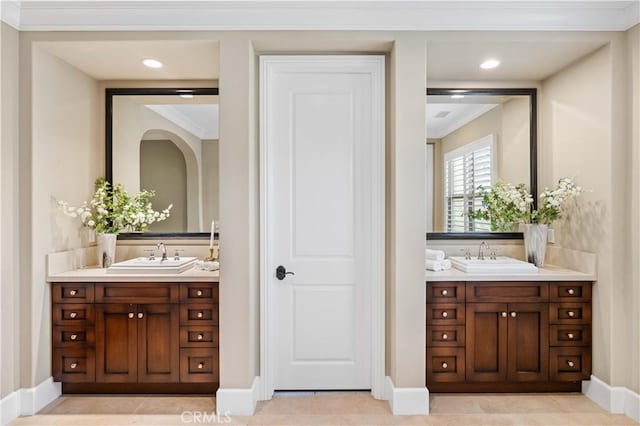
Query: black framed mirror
(476, 137)
(166, 140)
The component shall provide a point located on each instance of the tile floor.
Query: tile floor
(328, 408)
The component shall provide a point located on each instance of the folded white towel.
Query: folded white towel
(434, 254)
(437, 265)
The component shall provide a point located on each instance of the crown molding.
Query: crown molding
(10, 13)
(401, 15)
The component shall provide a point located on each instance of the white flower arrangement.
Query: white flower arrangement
(505, 205)
(113, 210)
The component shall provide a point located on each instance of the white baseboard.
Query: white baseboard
(28, 401)
(237, 401)
(9, 407)
(614, 399)
(406, 401)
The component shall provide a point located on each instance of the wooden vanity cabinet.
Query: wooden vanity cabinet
(508, 336)
(136, 337)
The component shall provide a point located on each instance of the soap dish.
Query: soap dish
(206, 265)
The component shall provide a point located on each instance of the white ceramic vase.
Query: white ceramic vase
(106, 253)
(535, 243)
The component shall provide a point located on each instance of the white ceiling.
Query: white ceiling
(200, 120)
(122, 60)
(530, 61)
(458, 115)
(416, 15)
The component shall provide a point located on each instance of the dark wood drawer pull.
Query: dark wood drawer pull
(571, 314)
(445, 336)
(131, 315)
(445, 314)
(72, 315)
(199, 293)
(444, 292)
(73, 336)
(200, 336)
(73, 292)
(570, 363)
(571, 291)
(200, 315)
(73, 365)
(201, 365)
(570, 335)
(445, 365)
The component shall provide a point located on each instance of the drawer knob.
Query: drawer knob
(571, 291)
(140, 315)
(200, 365)
(74, 336)
(570, 363)
(131, 315)
(73, 365)
(444, 292)
(514, 314)
(571, 314)
(199, 293)
(200, 336)
(445, 365)
(445, 336)
(200, 315)
(504, 315)
(73, 315)
(73, 292)
(570, 335)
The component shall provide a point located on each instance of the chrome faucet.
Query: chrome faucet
(480, 251)
(163, 250)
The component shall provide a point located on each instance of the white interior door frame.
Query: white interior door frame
(267, 361)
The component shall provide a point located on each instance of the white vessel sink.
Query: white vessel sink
(501, 264)
(143, 265)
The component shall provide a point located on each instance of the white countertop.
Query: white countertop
(100, 275)
(548, 273)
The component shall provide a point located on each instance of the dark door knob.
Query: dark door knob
(281, 272)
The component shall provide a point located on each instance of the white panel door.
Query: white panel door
(322, 129)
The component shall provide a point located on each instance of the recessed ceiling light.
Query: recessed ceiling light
(489, 64)
(186, 96)
(152, 63)
(457, 96)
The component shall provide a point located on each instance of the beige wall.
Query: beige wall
(582, 137)
(632, 290)
(65, 160)
(9, 273)
(239, 313)
(210, 181)
(163, 169)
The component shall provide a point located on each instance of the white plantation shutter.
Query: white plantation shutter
(466, 169)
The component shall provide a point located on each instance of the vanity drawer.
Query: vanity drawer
(445, 314)
(199, 365)
(137, 293)
(569, 364)
(70, 314)
(72, 293)
(445, 365)
(199, 314)
(570, 313)
(74, 365)
(445, 335)
(507, 292)
(200, 336)
(570, 335)
(445, 292)
(199, 292)
(570, 292)
(73, 336)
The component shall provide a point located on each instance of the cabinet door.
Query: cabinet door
(528, 342)
(158, 343)
(486, 335)
(116, 343)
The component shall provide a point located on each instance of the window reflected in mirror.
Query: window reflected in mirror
(473, 141)
(169, 144)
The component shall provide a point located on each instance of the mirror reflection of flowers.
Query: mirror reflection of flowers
(113, 210)
(505, 205)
